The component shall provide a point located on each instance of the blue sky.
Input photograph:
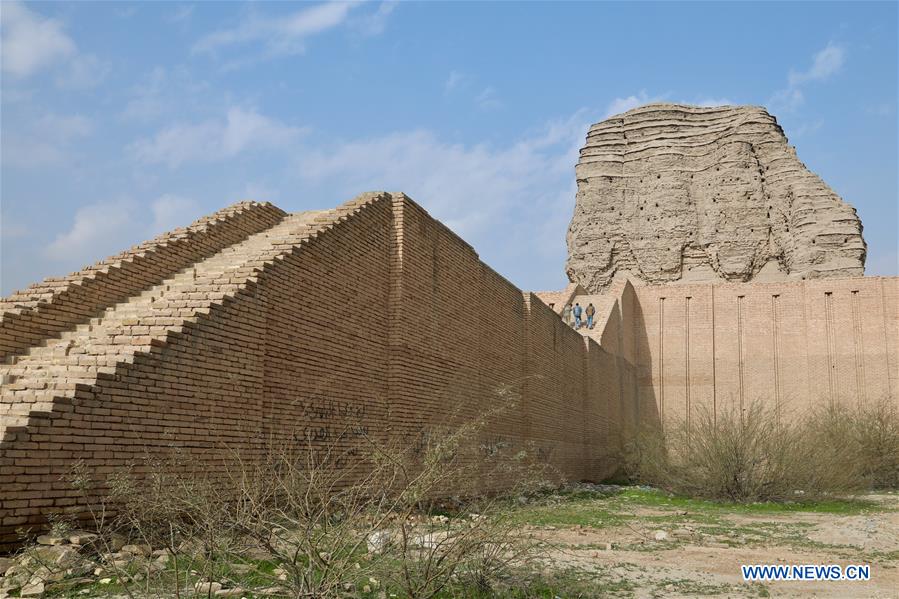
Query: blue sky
(121, 120)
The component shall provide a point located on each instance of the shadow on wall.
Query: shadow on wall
(648, 403)
(623, 336)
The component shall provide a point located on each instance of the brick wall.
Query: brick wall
(791, 344)
(55, 304)
(375, 319)
(370, 319)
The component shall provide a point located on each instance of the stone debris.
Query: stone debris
(82, 538)
(208, 587)
(379, 540)
(669, 192)
(139, 549)
(56, 564)
(60, 556)
(430, 539)
(32, 589)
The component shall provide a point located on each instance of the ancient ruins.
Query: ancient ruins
(677, 193)
(722, 272)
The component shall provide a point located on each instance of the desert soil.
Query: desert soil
(681, 551)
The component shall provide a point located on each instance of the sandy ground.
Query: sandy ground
(696, 559)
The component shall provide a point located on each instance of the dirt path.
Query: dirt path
(669, 552)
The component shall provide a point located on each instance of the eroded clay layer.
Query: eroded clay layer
(669, 192)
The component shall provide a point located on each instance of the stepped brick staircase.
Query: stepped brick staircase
(65, 339)
(49, 371)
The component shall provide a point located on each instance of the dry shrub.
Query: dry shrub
(754, 455)
(325, 520)
(867, 436)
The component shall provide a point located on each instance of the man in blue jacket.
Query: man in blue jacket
(577, 315)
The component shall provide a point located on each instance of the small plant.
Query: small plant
(60, 525)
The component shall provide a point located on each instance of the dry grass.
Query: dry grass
(327, 520)
(868, 437)
(753, 455)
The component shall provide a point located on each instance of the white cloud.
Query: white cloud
(148, 97)
(711, 102)
(213, 140)
(98, 230)
(46, 141)
(126, 11)
(164, 91)
(104, 228)
(487, 100)
(281, 36)
(66, 127)
(825, 63)
(880, 108)
(171, 211)
(83, 72)
(804, 129)
(376, 22)
(460, 84)
(475, 189)
(786, 100)
(31, 42)
(182, 14)
(454, 80)
(623, 104)
(619, 105)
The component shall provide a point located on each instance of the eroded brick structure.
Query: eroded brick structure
(746, 266)
(254, 323)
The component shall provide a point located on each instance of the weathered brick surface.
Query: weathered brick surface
(54, 305)
(795, 345)
(372, 318)
(375, 319)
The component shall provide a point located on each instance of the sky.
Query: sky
(123, 120)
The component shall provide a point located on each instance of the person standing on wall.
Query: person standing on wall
(590, 312)
(577, 315)
(566, 314)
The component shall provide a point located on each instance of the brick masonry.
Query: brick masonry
(375, 318)
(794, 345)
(290, 326)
